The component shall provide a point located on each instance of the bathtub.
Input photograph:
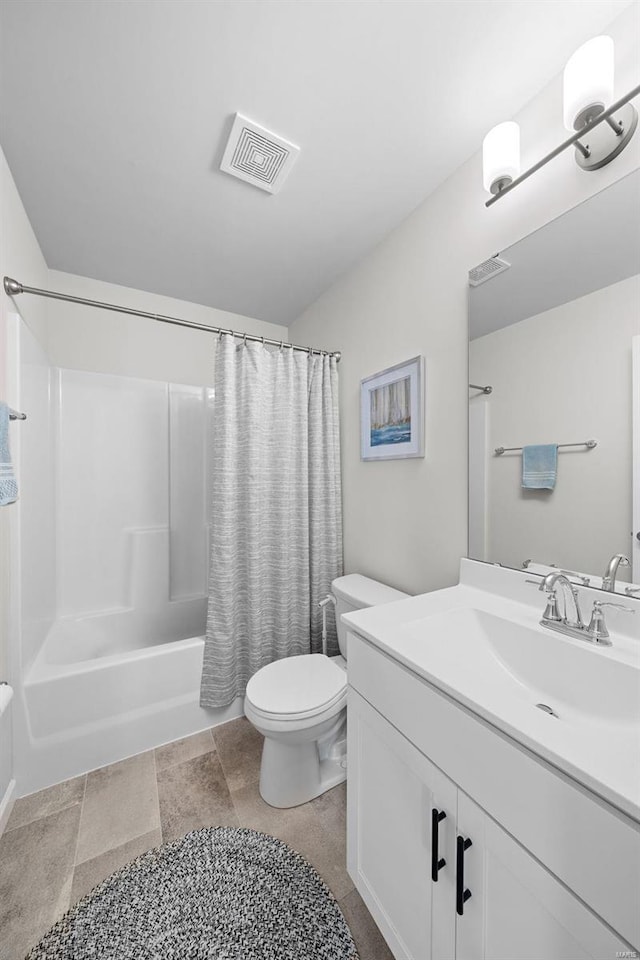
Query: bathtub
(113, 557)
(85, 707)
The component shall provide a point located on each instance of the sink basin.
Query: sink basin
(500, 663)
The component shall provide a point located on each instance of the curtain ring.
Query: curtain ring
(244, 340)
(281, 345)
(263, 341)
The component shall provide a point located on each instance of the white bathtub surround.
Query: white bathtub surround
(131, 494)
(7, 781)
(445, 699)
(276, 523)
(35, 548)
(114, 550)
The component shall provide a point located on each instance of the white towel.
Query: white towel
(8, 485)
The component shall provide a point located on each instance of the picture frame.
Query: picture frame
(392, 411)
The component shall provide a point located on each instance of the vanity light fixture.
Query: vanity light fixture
(501, 156)
(587, 82)
(600, 129)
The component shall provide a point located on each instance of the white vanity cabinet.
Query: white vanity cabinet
(516, 908)
(393, 791)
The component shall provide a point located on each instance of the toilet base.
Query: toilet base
(294, 773)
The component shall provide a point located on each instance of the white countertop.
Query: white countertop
(600, 748)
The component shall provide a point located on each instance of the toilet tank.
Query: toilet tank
(355, 592)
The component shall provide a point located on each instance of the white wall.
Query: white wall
(406, 521)
(561, 376)
(84, 338)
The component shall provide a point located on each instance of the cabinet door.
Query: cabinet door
(517, 909)
(392, 793)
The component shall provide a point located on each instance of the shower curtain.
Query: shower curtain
(276, 516)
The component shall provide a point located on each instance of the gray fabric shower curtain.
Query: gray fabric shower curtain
(276, 514)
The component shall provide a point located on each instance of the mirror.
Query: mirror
(556, 336)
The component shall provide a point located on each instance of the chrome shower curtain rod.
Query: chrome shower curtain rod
(12, 288)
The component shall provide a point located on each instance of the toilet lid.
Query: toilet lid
(297, 685)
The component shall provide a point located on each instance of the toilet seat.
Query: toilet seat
(298, 688)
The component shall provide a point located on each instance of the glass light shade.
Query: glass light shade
(588, 82)
(501, 155)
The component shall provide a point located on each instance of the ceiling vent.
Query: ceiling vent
(484, 271)
(258, 156)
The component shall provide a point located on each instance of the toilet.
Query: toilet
(299, 705)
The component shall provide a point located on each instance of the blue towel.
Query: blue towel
(539, 466)
(8, 485)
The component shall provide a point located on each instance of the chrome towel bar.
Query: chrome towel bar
(589, 444)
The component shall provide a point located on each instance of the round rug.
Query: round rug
(216, 894)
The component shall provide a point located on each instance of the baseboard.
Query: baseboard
(6, 804)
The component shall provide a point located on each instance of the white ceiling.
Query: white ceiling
(115, 114)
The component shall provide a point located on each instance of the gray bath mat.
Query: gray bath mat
(216, 894)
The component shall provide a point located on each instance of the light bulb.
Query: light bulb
(588, 82)
(501, 156)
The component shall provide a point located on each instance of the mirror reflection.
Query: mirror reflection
(553, 480)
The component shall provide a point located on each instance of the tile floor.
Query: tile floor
(61, 842)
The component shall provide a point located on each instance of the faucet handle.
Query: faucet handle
(540, 584)
(585, 581)
(631, 590)
(551, 611)
(607, 603)
(597, 628)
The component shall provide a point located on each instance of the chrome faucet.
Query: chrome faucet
(550, 584)
(609, 579)
(596, 632)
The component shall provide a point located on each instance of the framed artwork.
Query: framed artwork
(392, 412)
